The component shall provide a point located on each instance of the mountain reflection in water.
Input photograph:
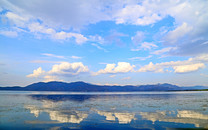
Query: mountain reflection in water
(114, 111)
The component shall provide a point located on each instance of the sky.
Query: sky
(117, 42)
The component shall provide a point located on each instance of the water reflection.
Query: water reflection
(77, 108)
(61, 116)
(184, 116)
(100, 111)
(85, 97)
(123, 118)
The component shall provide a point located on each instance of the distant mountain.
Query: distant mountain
(86, 87)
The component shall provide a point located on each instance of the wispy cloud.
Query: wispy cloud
(145, 46)
(164, 50)
(140, 58)
(98, 47)
(53, 55)
(126, 78)
(138, 38)
(9, 33)
(76, 57)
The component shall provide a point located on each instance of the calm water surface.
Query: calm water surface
(138, 110)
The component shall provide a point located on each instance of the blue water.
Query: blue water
(130, 110)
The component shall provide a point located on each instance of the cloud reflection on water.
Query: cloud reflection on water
(179, 116)
(78, 108)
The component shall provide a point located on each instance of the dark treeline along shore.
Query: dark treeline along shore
(87, 87)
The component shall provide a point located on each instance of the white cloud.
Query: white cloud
(200, 58)
(151, 68)
(40, 29)
(9, 33)
(190, 19)
(36, 73)
(190, 65)
(79, 38)
(70, 69)
(52, 55)
(97, 38)
(138, 38)
(49, 78)
(188, 68)
(17, 19)
(58, 71)
(122, 67)
(76, 57)
(137, 15)
(140, 58)
(204, 43)
(148, 46)
(145, 46)
(179, 32)
(37, 28)
(98, 47)
(164, 50)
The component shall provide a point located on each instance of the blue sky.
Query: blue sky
(104, 42)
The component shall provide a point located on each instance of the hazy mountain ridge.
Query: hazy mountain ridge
(87, 87)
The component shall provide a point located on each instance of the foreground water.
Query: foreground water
(141, 110)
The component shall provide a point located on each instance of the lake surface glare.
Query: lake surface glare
(131, 110)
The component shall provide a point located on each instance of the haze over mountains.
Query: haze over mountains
(87, 87)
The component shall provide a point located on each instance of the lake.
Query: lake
(131, 110)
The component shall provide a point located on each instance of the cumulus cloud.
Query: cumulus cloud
(188, 68)
(151, 68)
(69, 69)
(137, 15)
(64, 69)
(49, 78)
(190, 65)
(122, 67)
(36, 73)
(190, 19)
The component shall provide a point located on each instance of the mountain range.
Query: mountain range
(87, 87)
